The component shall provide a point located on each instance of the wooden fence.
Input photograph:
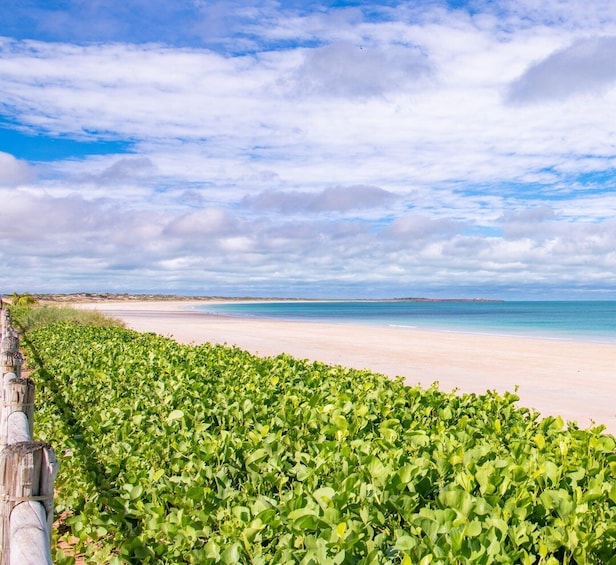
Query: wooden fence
(27, 468)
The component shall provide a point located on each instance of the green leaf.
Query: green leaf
(473, 529)
(613, 493)
(175, 415)
(256, 456)
(539, 440)
(231, 554)
(324, 496)
(136, 492)
(376, 468)
(405, 543)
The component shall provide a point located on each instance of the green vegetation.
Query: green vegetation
(30, 317)
(183, 454)
(22, 299)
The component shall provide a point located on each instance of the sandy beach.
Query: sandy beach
(573, 379)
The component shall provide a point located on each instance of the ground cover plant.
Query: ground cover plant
(207, 454)
(31, 316)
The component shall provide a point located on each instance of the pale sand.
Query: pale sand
(573, 379)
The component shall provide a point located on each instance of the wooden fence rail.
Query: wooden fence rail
(27, 468)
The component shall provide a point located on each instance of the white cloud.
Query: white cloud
(209, 221)
(124, 169)
(588, 66)
(536, 223)
(356, 71)
(14, 171)
(373, 151)
(414, 229)
(334, 199)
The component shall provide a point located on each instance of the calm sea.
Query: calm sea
(585, 320)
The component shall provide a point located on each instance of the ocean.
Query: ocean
(593, 321)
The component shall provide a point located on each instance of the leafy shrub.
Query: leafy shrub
(22, 299)
(32, 317)
(207, 454)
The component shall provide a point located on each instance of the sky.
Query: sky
(336, 149)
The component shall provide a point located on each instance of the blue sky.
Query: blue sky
(333, 149)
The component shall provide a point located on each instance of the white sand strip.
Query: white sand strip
(573, 379)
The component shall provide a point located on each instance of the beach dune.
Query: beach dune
(573, 379)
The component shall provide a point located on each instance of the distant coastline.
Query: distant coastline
(129, 297)
(447, 300)
(79, 297)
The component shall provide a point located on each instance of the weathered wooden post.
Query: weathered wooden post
(17, 398)
(6, 318)
(11, 362)
(10, 340)
(27, 474)
(27, 468)
(10, 357)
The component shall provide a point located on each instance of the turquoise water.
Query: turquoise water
(585, 320)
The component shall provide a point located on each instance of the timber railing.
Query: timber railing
(27, 468)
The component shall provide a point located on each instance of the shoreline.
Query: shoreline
(581, 338)
(571, 378)
(565, 334)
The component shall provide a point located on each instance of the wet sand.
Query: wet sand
(573, 379)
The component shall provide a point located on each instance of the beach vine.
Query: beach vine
(206, 454)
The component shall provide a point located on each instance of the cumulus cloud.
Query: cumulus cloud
(208, 221)
(352, 70)
(124, 169)
(191, 198)
(55, 239)
(28, 217)
(335, 199)
(215, 250)
(367, 147)
(14, 171)
(414, 228)
(586, 66)
(538, 222)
